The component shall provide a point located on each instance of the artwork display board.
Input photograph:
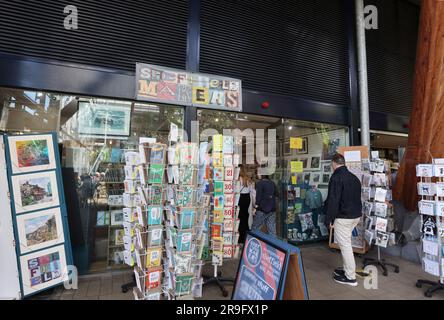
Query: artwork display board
(38, 211)
(430, 208)
(269, 269)
(9, 272)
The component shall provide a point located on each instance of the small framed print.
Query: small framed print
(43, 269)
(35, 191)
(40, 230)
(30, 153)
(315, 163)
(116, 217)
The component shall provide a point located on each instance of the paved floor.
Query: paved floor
(319, 261)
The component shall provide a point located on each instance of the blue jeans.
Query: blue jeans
(269, 219)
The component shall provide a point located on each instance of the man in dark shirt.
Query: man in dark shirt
(266, 193)
(344, 210)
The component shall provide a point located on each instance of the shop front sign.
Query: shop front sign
(172, 86)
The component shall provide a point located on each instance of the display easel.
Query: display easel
(435, 286)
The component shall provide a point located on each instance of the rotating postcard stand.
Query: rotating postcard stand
(378, 210)
(431, 209)
(379, 262)
(221, 180)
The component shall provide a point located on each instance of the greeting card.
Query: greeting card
(154, 236)
(182, 263)
(228, 145)
(153, 257)
(153, 278)
(229, 173)
(216, 231)
(217, 159)
(218, 173)
(228, 160)
(218, 216)
(228, 187)
(156, 174)
(218, 202)
(218, 188)
(154, 215)
(217, 143)
(184, 238)
(187, 216)
(157, 154)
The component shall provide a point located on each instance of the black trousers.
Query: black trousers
(244, 204)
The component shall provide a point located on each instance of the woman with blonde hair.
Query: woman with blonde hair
(247, 193)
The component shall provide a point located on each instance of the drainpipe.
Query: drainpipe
(362, 73)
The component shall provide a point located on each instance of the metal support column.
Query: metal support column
(362, 73)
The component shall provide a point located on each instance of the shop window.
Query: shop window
(29, 111)
(300, 210)
(95, 134)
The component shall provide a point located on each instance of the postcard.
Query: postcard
(40, 230)
(430, 247)
(218, 143)
(382, 239)
(218, 188)
(182, 263)
(228, 187)
(216, 231)
(218, 216)
(218, 202)
(380, 195)
(424, 170)
(153, 278)
(43, 269)
(116, 217)
(229, 173)
(30, 153)
(218, 174)
(157, 154)
(428, 207)
(153, 257)
(35, 191)
(156, 173)
(184, 238)
(228, 145)
(187, 216)
(154, 214)
(380, 209)
(426, 189)
(154, 236)
(118, 237)
(183, 284)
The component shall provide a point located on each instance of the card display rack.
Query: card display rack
(222, 177)
(431, 208)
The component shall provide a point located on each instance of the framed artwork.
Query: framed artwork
(326, 167)
(116, 217)
(315, 178)
(40, 230)
(104, 119)
(286, 151)
(315, 162)
(35, 191)
(118, 236)
(304, 149)
(304, 161)
(325, 178)
(43, 269)
(31, 153)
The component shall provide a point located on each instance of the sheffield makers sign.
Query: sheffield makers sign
(172, 86)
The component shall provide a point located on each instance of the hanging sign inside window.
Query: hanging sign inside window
(173, 86)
